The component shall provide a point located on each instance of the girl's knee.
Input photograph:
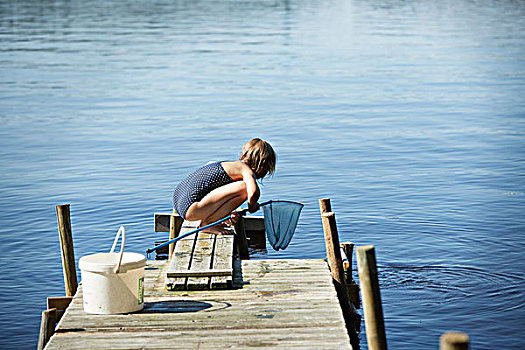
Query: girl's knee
(238, 189)
(243, 192)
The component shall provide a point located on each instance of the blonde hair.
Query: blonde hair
(259, 156)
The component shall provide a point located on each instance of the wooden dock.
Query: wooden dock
(274, 304)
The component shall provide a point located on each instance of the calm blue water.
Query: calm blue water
(409, 115)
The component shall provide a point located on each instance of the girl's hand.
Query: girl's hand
(253, 207)
(234, 218)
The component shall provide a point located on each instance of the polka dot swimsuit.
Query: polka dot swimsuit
(197, 185)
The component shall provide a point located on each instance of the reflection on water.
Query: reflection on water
(408, 114)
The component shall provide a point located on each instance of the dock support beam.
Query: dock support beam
(333, 252)
(66, 246)
(372, 308)
(353, 288)
(175, 226)
(453, 341)
(240, 239)
(47, 327)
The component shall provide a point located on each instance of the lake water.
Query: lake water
(409, 115)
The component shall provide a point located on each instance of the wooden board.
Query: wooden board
(201, 273)
(196, 256)
(161, 222)
(254, 223)
(282, 304)
(58, 303)
(201, 261)
(223, 260)
(182, 255)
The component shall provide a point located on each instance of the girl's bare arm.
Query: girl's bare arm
(239, 171)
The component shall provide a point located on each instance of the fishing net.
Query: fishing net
(280, 221)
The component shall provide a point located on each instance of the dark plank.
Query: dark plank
(161, 221)
(201, 273)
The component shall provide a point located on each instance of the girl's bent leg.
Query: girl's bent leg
(218, 204)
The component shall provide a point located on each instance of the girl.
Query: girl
(215, 190)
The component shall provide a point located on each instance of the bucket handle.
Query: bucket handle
(121, 229)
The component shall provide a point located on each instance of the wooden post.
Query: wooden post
(333, 252)
(240, 239)
(175, 226)
(453, 341)
(353, 287)
(373, 310)
(47, 327)
(66, 246)
(60, 304)
(325, 205)
(348, 248)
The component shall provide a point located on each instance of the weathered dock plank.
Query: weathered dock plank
(222, 260)
(201, 261)
(161, 222)
(182, 255)
(282, 304)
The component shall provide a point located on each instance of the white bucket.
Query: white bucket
(113, 283)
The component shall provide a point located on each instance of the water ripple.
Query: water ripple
(451, 284)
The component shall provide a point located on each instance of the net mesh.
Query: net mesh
(280, 221)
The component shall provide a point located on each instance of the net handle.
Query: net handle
(242, 212)
(245, 211)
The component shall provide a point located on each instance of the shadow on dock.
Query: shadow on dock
(182, 306)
